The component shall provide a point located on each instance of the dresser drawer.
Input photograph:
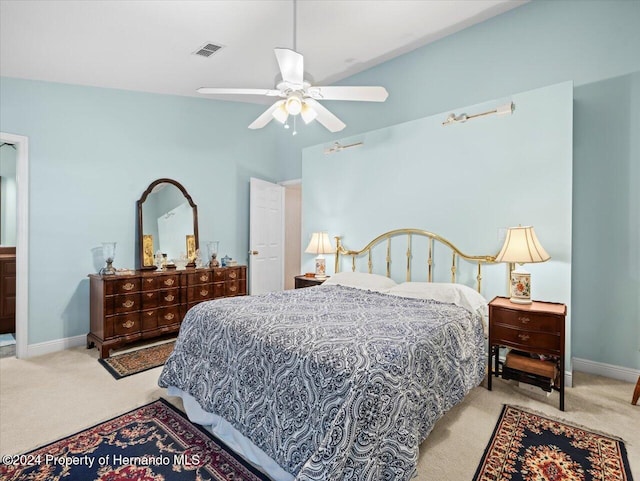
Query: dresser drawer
(150, 299)
(126, 303)
(149, 283)
(202, 277)
(169, 297)
(126, 324)
(121, 286)
(200, 293)
(149, 319)
(233, 288)
(168, 281)
(168, 315)
(219, 289)
(528, 321)
(219, 274)
(532, 341)
(233, 273)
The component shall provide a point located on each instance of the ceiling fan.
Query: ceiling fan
(298, 96)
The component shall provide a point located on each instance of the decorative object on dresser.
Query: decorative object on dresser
(213, 253)
(109, 254)
(149, 305)
(636, 393)
(521, 246)
(167, 215)
(307, 280)
(320, 245)
(535, 333)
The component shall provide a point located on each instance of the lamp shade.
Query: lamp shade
(522, 246)
(320, 244)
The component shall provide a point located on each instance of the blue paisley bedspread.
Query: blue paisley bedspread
(334, 383)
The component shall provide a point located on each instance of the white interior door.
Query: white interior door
(266, 237)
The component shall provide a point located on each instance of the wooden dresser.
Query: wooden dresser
(536, 328)
(152, 304)
(7, 290)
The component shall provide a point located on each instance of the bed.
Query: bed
(339, 381)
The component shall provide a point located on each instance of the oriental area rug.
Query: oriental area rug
(133, 362)
(530, 447)
(152, 443)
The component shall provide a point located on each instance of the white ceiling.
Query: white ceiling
(147, 45)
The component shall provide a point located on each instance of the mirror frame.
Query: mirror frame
(145, 194)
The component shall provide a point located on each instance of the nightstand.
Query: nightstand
(536, 328)
(304, 281)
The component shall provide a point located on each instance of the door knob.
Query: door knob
(253, 253)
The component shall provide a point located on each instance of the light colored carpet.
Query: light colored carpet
(49, 397)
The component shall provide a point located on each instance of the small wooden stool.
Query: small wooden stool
(636, 393)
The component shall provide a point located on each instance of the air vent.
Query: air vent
(207, 50)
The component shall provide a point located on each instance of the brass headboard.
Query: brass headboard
(409, 233)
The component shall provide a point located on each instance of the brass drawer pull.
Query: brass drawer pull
(169, 298)
(149, 281)
(169, 316)
(150, 313)
(204, 293)
(204, 277)
(128, 325)
(150, 295)
(169, 282)
(232, 275)
(128, 286)
(128, 303)
(524, 320)
(233, 288)
(524, 337)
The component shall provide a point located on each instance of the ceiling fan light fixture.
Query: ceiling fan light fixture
(293, 105)
(281, 114)
(307, 113)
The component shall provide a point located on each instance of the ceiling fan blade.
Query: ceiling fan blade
(266, 116)
(291, 65)
(326, 118)
(227, 91)
(364, 94)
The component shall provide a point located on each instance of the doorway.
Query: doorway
(21, 145)
(292, 231)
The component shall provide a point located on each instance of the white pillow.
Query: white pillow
(458, 294)
(361, 280)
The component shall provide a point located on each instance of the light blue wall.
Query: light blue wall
(92, 152)
(463, 181)
(592, 43)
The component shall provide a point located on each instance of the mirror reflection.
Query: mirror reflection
(168, 223)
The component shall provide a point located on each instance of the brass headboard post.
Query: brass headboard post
(457, 254)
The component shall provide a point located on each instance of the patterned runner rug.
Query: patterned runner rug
(152, 443)
(129, 363)
(530, 447)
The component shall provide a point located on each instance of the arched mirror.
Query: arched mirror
(167, 223)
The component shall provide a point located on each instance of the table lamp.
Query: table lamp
(320, 245)
(521, 246)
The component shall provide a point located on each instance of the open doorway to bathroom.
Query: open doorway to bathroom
(292, 231)
(8, 233)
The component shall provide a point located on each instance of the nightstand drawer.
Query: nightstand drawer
(527, 340)
(528, 321)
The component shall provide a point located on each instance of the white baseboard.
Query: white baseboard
(607, 370)
(48, 347)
